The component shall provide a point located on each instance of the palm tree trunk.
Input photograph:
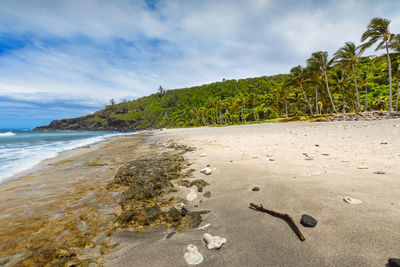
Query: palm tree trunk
(355, 85)
(308, 103)
(344, 106)
(397, 94)
(366, 98)
(390, 78)
(329, 92)
(286, 108)
(316, 100)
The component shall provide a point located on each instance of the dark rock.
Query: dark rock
(394, 262)
(183, 211)
(200, 189)
(256, 188)
(207, 194)
(170, 235)
(308, 221)
(379, 172)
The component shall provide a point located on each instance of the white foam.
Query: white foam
(6, 134)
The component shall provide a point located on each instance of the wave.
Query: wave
(6, 134)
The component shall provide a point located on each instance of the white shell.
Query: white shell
(213, 242)
(206, 171)
(351, 200)
(192, 255)
(204, 227)
(203, 154)
(192, 195)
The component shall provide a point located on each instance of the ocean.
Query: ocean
(21, 150)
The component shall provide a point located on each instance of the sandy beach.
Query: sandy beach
(300, 168)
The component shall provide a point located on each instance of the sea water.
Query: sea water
(21, 150)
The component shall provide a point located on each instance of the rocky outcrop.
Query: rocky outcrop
(365, 116)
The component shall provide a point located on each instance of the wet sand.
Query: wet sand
(300, 168)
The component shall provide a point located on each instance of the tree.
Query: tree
(348, 55)
(319, 62)
(161, 90)
(378, 30)
(340, 80)
(299, 78)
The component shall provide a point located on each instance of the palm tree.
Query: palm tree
(378, 30)
(340, 79)
(299, 78)
(396, 72)
(319, 62)
(364, 79)
(286, 93)
(348, 55)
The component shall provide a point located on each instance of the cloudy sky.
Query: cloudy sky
(67, 58)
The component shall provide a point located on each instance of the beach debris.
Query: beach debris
(325, 154)
(192, 255)
(316, 174)
(170, 235)
(394, 262)
(213, 242)
(204, 227)
(192, 195)
(207, 194)
(352, 200)
(255, 188)
(206, 171)
(285, 217)
(308, 221)
(183, 211)
(268, 155)
(379, 172)
(384, 143)
(204, 154)
(309, 158)
(362, 167)
(316, 145)
(271, 159)
(200, 189)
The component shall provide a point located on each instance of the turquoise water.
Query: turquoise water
(20, 150)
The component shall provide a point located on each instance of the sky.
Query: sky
(62, 59)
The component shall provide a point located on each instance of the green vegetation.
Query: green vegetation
(347, 80)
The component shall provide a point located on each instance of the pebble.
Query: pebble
(379, 172)
(362, 167)
(200, 189)
(206, 171)
(351, 200)
(271, 160)
(170, 235)
(192, 255)
(184, 211)
(204, 227)
(394, 262)
(213, 242)
(203, 154)
(191, 196)
(308, 221)
(255, 188)
(207, 194)
(384, 143)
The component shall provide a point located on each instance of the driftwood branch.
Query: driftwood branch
(285, 217)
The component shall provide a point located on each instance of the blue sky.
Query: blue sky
(61, 59)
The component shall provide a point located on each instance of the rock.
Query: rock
(183, 211)
(170, 235)
(271, 160)
(213, 242)
(379, 172)
(192, 255)
(384, 143)
(325, 154)
(204, 227)
(206, 171)
(255, 188)
(351, 200)
(207, 194)
(200, 189)
(394, 262)
(308, 221)
(316, 145)
(362, 167)
(191, 196)
(203, 154)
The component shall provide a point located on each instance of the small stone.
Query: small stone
(170, 235)
(362, 167)
(351, 200)
(271, 160)
(394, 262)
(207, 194)
(379, 172)
(384, 143)
(213, 242)
(183, 211)
(191, 196)
(255, 188)
(203, 154)
(200, 189)
(308, 221)
(192, 255)
(325, 154)
(206, 171)
(204, 227)
(316, 145)
(268, 155)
